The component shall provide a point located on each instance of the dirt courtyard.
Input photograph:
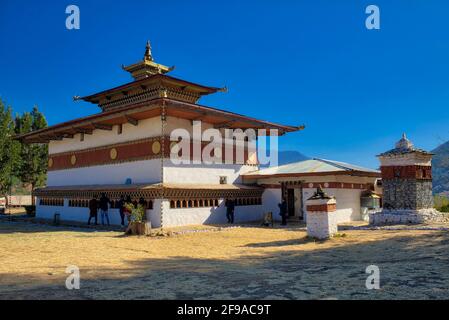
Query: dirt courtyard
(238, 263)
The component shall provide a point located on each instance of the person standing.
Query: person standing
(283, 211)
(121, 207)
(104, 206)
(93, 210)
(230, 206)
(126, 210)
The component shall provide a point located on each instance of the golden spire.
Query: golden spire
(147, 56)
(147, 67)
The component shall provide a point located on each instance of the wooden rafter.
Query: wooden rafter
(132, 120)
(101, 126)
(83, 130)
(53, 137)
(68, 135)
(226, 124)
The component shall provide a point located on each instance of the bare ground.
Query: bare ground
(240, 263)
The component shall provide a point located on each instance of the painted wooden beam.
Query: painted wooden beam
(131, 120)
(101, 126)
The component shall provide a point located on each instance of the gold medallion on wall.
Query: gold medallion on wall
(73, 160)
(50, 162)
(113, 154)
(156, 147)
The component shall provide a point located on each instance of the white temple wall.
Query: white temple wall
(348, 203)
(154, 216)
(145, 171)
(173, 217)
(147, 128)
(348, 200)
(201, 173)
(81, 214)
(270, 200)
(179, 123)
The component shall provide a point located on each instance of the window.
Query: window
(82, 136)
(196, 203)
(81, 203)
(223, 180)
(254, 201)
(120, 129)
(53, 202)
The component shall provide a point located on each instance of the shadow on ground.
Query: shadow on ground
(411, 267)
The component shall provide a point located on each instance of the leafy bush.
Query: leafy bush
(135, 213)
(440, 202)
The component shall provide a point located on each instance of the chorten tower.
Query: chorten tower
(407, 185)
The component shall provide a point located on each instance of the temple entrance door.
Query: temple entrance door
(291, 202)
(298, 203)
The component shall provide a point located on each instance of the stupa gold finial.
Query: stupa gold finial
(147, 56)
(147, 67)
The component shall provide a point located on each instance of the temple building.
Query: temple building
(127, 149)
(297, 182)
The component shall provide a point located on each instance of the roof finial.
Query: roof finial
(148, 55)
(404, 143)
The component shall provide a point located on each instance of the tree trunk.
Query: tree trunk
(138, 228)
(33, 201)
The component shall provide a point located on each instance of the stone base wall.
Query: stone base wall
(413, 194)
(321, 225)
(386, 217)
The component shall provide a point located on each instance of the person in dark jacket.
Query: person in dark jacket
(283, 211)
(143, 203)
(230, 205)
(104, 206)
(120, 206)
(93, 210)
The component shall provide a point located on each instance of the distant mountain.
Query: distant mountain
(285, 157)
(440, 169)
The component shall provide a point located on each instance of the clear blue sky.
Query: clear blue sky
(293, 62)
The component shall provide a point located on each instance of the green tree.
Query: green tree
(9, 149)
(33, 157)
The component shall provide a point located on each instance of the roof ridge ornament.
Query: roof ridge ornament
(403, 146)
(148, 56)
(146, 67)
(404, 143)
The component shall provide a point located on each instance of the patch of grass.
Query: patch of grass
(340, 235)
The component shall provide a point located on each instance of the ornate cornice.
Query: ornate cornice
(156, 192)
(137, 150)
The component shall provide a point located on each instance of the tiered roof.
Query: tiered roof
(152, 93)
